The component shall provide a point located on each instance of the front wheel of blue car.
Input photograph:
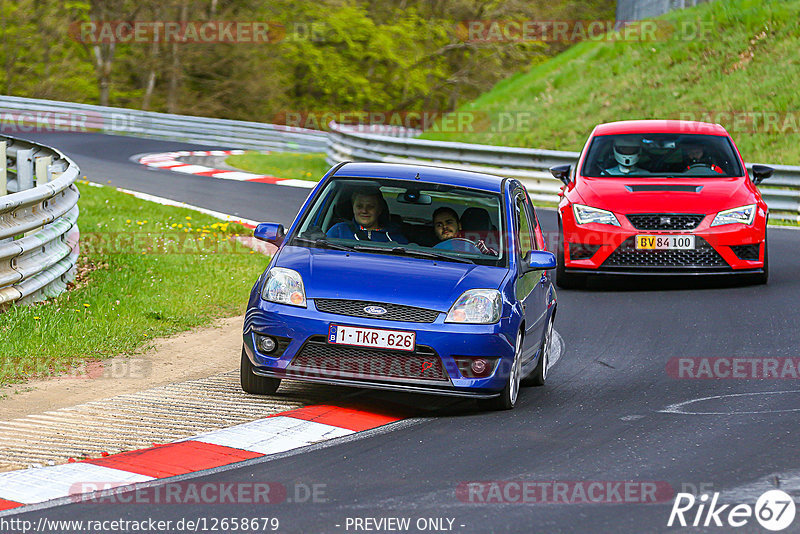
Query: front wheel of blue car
(539, 374)
(253, 383)
(508, 397)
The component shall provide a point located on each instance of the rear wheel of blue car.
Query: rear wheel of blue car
(253, 383)
(508, 397)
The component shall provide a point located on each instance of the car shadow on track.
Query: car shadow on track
(658, 283)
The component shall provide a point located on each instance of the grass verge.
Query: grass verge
(282, 164)
(145, 271)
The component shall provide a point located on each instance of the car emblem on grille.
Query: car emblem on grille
(664, 221)
(375, 310)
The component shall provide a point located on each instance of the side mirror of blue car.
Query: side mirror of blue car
(538, 260)
(270, 232)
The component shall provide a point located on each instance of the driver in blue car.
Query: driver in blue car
(369, 212)
(447, 227)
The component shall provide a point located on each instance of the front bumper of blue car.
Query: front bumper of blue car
(303, 351)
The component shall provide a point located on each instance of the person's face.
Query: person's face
(446, 225)
(694, 152)
(366, 210)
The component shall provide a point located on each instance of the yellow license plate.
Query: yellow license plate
(665, 242)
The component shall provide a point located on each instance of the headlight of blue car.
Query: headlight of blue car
(476, 306)
(284, 286)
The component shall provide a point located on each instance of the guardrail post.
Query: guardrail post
(42, 166)
(24, 170)
(3, 173)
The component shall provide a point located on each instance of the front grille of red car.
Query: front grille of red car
(665, 221)
(703, 257)
(318, 358)
(394, 312)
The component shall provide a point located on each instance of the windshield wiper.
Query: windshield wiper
(324, 243)
(428, 254)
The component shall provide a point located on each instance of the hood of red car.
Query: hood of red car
(664, 195)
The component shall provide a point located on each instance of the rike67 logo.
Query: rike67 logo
(774, 510)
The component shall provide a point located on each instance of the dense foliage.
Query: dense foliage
(323, 55)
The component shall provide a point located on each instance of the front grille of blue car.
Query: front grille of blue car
(318, 358)
(394, 312)
(627, 255)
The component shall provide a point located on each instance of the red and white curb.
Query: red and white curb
(170, 161)
(275, 434)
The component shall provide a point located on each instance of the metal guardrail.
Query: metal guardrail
(28, 113)
(38, 221)
(628, 10)
(530, 165)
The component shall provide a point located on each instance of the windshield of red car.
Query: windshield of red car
(661, 155)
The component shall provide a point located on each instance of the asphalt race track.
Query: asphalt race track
(611, 411)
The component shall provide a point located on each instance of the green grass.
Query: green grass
(146, 271)
(747, 63)
(282, 164)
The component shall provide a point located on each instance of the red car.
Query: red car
(661, 197)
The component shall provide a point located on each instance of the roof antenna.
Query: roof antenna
(416, 177)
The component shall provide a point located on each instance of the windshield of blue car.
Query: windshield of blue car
(406, 218)
(662, 155)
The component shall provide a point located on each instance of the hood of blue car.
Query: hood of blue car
(424, 283)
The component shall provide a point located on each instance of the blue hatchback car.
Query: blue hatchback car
(409, 278)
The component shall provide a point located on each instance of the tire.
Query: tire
(763, 278)
(508, 397)
(566, 280)
(253, 383)
(539, 374)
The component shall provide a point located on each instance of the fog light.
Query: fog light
(266, 344)
(475, 367)
(479, 366)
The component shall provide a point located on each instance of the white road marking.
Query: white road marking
(678, 408)
(169, 202)
(37, 485)
(273, 434)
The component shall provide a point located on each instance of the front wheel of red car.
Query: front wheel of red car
(763, 277)
(508, 397)
(253, 383)
(566, 280)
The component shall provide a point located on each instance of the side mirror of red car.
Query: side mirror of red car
(561, 172)
(761, 173)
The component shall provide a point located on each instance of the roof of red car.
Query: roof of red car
(659, 126)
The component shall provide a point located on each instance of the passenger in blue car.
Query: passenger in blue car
(447, 227)
(370, 220)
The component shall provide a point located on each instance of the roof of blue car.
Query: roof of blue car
(439, 175)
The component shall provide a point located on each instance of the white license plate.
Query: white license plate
(665, 242)
(371, 337)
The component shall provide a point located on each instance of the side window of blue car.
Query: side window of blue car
(524, 226)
